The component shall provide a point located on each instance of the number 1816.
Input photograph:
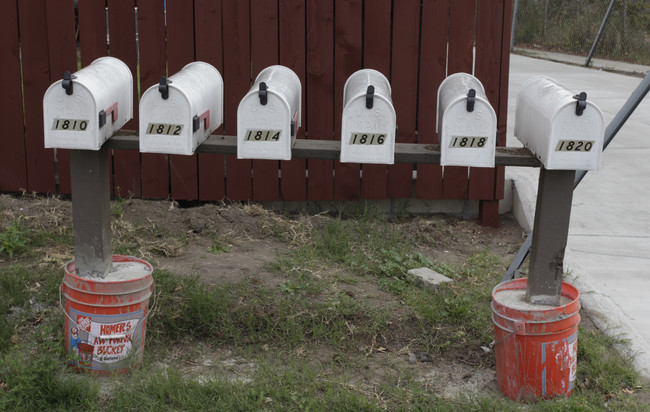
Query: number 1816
(367, 138)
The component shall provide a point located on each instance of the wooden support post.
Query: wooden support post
(551, 229)
(91, 212)
(488, 213)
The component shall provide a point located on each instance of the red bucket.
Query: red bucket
(106, 319)
(536, 345)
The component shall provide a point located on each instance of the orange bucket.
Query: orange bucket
(536, 345)
(105, 319)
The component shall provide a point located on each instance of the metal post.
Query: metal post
(545, 19)
(600, 33)
(514, 25)
(610, 132)
(91, 212)
(552, 213)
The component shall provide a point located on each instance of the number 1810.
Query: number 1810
(70, 124)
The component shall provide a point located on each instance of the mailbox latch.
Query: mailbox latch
(370, 94)
(67, 82)
(262, 94)
(581, 103)
(102, 118)
(471, 99)
(163, 87)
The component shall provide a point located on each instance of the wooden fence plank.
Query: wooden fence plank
(293, 182)
(488, 60)
(320, 84)
(461, 43)
(237, 76)
(208, 44)
(13, 167)
(92, 31)
(183, 170)
(151, 36)
(376, 55)
(36, 79)
(348, 55)
(63, 57)
(406, 31)
(121, 28)
(433, 64)
(264, 53)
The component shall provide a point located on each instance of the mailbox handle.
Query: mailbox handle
(581, 104)
(163, 87)
(471, 99)
(370, 94)
(67, 82)
(262, 94)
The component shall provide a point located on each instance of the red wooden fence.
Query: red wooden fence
(415, 43)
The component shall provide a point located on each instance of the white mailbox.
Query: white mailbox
(466, 124)
(84, 109)
(561, 128)
(368, 126)
(269, 115)
(181, 111)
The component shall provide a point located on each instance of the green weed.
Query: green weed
(13, 240)
(218, 247)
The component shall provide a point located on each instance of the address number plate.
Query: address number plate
(574, 146)
(165, 128)
(467, 142)
(75, 125)
(262, 135)
(367, 138)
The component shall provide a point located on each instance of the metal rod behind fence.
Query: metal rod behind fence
(600, 32)
(514, 25)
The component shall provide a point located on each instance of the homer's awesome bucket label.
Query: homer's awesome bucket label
(106, 319)
(102, 342)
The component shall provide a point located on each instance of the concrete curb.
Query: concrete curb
(610, 318)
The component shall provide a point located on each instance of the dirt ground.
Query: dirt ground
(180, 240)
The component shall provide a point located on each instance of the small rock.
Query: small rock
(425, 357)
(428, 278)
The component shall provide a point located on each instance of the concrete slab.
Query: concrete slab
(428, 278)
(608, 251)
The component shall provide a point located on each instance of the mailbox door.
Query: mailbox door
(368, 135)
(165, 124)
(468, 138)
(264, 131)
(70, 121)
(577, 141)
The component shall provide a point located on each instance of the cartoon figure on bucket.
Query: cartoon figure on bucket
(74, 340)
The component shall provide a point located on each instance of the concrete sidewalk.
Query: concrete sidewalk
(608, 253)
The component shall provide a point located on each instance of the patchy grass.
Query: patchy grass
(333, 322)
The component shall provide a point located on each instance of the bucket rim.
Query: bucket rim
(116, 258)
(513, 332)
(567, 290)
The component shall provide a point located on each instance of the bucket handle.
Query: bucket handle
(512, 332)
(118, 336)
